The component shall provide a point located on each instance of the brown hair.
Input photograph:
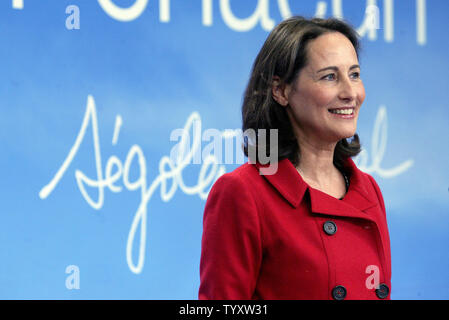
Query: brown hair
(284, 54)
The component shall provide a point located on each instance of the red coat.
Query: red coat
(274, 237)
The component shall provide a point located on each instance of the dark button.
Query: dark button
(383, 291)
(339, 293)
(329, 227)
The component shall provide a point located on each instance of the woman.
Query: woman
(316, 228)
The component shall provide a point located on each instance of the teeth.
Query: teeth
(342, 111)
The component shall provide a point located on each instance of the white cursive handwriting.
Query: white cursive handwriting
(168, 170)
(378, 147)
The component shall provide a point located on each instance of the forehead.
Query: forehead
(331, 49)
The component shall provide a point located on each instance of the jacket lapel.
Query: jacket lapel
(286, 181)
(356, 203)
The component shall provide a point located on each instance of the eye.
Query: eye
(355, 75)
(330, 76)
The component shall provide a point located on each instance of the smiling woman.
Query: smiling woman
(316, 228)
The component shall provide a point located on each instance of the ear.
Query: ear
(279, 91)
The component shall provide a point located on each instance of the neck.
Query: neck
(317, 162)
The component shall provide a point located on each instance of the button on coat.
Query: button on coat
(339, 293)
(382, 291)
(330, 227)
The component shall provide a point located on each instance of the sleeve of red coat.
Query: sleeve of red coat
(379, 194)
(231, 248)
(382, 205)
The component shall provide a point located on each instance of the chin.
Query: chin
(346, 134)
(349, 131)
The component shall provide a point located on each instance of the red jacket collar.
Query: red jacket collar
(292, 187)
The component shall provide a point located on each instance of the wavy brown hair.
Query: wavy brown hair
(284, 54)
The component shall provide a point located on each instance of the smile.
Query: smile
(343, 112)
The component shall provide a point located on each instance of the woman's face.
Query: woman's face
(329, 82)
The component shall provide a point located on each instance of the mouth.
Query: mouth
(344, 112)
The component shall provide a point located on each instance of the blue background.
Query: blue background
(154, 75)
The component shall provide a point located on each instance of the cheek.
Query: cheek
(361, 94)
(318, 98)
(323, 98)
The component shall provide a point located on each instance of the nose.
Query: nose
(347, 92)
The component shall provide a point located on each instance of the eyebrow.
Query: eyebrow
(336, 69)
